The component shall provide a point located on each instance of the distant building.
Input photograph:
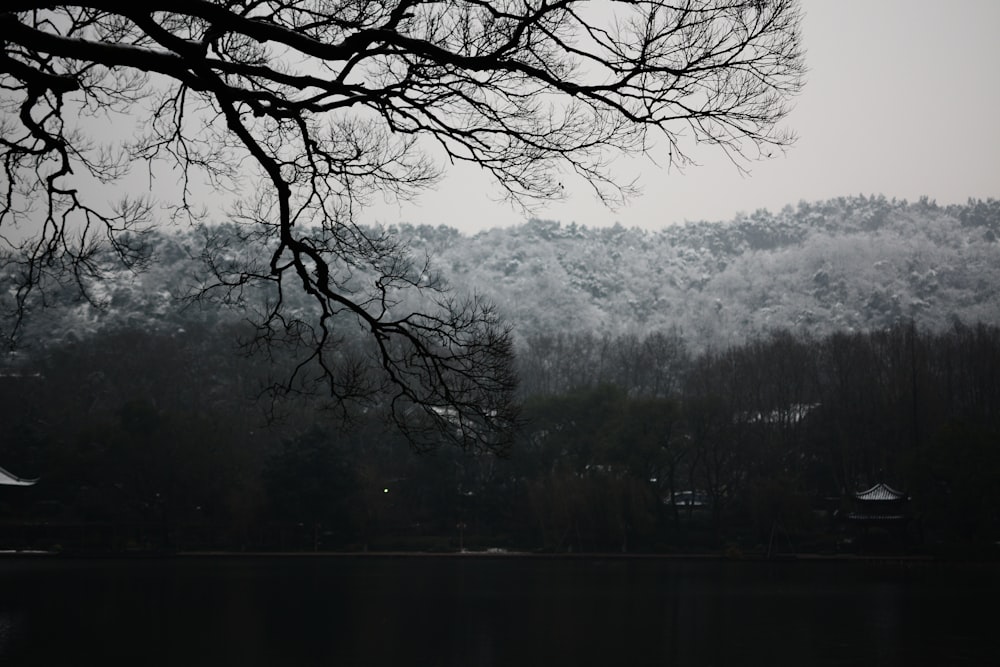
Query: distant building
(879, 518)
(694, 499)
(9, 479)
(879, 504)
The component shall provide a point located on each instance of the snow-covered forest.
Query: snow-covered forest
(848, 264)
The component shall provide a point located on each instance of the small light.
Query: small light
(385, 490)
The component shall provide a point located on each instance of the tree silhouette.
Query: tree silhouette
(298, 113)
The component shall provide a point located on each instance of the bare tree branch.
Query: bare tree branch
(314, 107)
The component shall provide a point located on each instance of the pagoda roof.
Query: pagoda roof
(9, 479)
(880, 492)
(860, 516)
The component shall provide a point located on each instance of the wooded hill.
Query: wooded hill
(847, 264)
(642, 377)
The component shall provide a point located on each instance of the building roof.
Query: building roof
(860, 516)
(880, 492)
(9, 479)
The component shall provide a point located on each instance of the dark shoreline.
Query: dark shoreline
(506, 555)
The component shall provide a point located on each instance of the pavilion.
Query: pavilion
(879, 504)
(880, 517)
(9, 479)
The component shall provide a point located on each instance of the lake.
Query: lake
(482, 611)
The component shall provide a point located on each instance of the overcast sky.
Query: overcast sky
(902, 98)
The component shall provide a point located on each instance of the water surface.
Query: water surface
(381, 611)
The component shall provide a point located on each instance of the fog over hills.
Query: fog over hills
(848, 264)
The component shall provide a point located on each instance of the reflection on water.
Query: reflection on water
(9, 626)
(491, 611)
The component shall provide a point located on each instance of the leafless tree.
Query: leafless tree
(317, 106)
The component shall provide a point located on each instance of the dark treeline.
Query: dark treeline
(148, 441)
(771, 433)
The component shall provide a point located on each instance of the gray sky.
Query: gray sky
(902, 98)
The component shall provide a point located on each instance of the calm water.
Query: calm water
(343, 611)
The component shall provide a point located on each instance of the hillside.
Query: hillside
(846, 264)
(138, 413)
(849, 264)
